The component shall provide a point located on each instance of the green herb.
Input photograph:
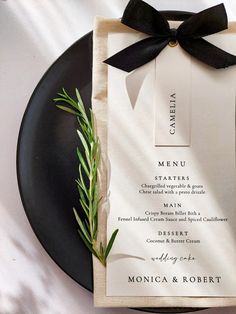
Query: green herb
(87, 182)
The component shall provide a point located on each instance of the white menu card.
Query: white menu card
(174, 204)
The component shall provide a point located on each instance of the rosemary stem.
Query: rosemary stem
(89, 159)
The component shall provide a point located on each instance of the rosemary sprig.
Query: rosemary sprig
(87, 181)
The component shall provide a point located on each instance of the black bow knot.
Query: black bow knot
(142, 17)
(173, 35)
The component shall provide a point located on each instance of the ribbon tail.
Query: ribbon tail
(134, 81)
(137, 54)
(208, 53)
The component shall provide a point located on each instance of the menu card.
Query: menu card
(171, 177)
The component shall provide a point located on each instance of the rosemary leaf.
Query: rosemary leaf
(82, 162)
(110, 243)
(82, 227)
(87, 243)
(79, 97)
(69, 110)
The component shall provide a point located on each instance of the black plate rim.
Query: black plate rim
(18, 153)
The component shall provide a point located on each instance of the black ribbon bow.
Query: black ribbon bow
(142, 17)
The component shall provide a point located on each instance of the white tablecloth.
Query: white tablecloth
(33, 33)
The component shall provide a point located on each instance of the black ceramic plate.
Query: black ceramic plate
(47, 164)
